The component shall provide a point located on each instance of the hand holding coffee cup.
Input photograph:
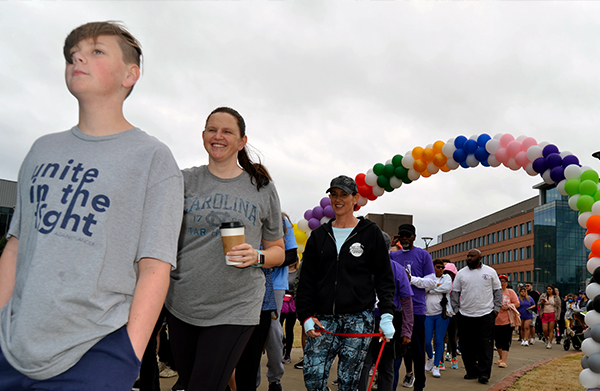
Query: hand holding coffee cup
(232, 234)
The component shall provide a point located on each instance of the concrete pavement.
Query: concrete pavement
(451, 380)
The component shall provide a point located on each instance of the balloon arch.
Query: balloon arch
(558, 168)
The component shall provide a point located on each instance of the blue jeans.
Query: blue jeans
(111, 364)
(320, 352)
(439, 325)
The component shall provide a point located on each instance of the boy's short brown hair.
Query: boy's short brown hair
(131, 47)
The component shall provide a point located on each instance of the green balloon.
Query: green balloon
(389, 188)
(572, 186)
(397, 160)
(588, 187)
(591, 175)
(401, 172)
(378, 169)
(597, 196)
(388, 170)
(383, 181)
(584, 203)
(406, 180)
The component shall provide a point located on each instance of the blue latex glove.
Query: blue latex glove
(387, 326)
(309, 324)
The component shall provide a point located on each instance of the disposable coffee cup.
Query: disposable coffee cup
(232, 234)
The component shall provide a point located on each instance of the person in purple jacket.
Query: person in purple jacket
(397, 346)
(419, 269)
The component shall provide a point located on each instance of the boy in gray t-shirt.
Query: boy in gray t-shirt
(93, 239)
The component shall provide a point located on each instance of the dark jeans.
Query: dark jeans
(477, 343)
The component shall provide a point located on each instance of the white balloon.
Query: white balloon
(498, 136)
(395, 182)
(389, 161)
(371, 178)
(378, 191)
(303, 225)
(593, 264)
(573, 171)
(300, 249)
(492, 161)
(429, 146)
(408, 160)
(472, 161)
(596, 208)
(325, 220)
(521, 138)
(573, 202)
(452, 164)
(589, 346)
(308, 233)
(582, 219)
(362, 201)
(592, 318)
(534, 152)
(513, 165)
(560, 187)
(449, 148)
(432, 168)
(413, 175)
(588, 379)
(543, 144)
(592, 290)
(565, 153)
(530, 170)
(492, 146)
(590, 239)
(547, 179)
(585, 168)
(474, 137)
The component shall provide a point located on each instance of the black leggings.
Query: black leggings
(452, 334)
(290, 322)
(205, 356)
(503, 336)
(246, 369)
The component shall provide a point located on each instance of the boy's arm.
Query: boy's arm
(8, 269)
(148, 299)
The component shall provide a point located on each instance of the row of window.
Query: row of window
(516, 254)
(494, 237)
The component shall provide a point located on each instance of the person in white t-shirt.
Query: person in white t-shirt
(476, 297)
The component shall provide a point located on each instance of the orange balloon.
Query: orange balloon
(593, 224)
(439, 159)
(438, 145)
(419, 165)
(596, 247)
(425, 174)
(428, 154)
(417, 152)
(445, 168)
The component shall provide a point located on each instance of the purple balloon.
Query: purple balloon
(539, 165)
(308, 214)
(553, 160)
(570, 159)
(324, 202)
(548, 149)
(557, 174)
(328, 211)
(314, 223)
(317, 212)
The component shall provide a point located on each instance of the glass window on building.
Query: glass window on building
(488, 239)
(515, 254)
(522, 253)
(522, 229)
(508, 256)
(509, 232)
(521, 275)
(493, 259)
(516, 230)
(529, 227)
(528, 252)
(515, 277)
(528, 276)
(504, 234)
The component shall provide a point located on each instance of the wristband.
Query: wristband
(387, 325)
(309, 324)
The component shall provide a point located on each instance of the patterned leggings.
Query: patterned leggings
(320, 352)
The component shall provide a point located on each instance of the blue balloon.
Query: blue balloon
(553, 160)
(470, 146)
(548, 149)
(539, 165)
(464, 164)
(485, 163)
(460, 141)
(481, 154)
(570, 159)
(557, 174)
(459, 155)
(483, 139)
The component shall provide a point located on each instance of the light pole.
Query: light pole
(427, 240)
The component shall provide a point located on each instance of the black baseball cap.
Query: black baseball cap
(407, 228)
(345, 183)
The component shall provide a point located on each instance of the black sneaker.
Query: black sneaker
(275, 386)
(483, 379)
(177, 386)
(299, 364)
(136, 385)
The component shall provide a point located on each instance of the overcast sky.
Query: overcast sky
(330, 87)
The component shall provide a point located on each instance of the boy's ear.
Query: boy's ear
(133, 75)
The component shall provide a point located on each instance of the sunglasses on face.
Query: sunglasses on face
(439, 267)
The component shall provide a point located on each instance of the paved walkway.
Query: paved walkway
(519, 357)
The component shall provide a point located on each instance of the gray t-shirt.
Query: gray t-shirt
(88, 208)
(204, 291)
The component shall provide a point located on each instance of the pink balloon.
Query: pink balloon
(522, 159)
(513, 148)
(502, 155)
(505, 139)
(528, 142)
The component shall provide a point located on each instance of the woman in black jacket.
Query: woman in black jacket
(345, 264)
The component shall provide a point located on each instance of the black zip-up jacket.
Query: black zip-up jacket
(345, 284)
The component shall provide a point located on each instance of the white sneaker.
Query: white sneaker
(435, 371)
(526, 343)
(522, 343)
(549, 346)
(429, 364)
(531, 341)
